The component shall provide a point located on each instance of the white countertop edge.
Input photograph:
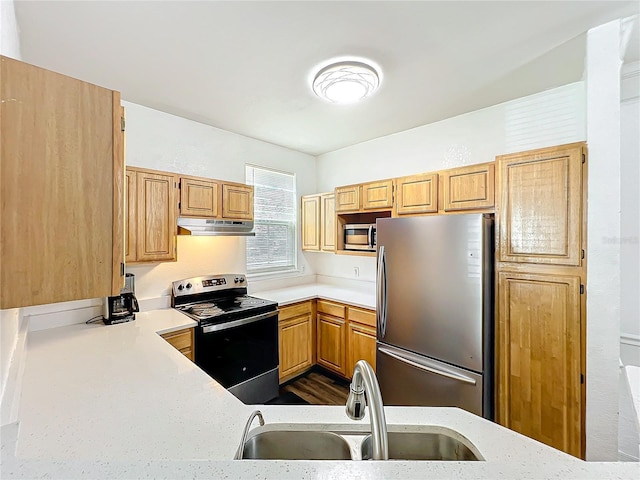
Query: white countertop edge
(290, 295)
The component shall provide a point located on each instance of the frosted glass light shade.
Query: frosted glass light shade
(346, 82)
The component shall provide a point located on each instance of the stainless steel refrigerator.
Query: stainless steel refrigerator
(435, 296)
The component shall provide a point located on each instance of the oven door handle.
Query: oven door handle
(237, 323)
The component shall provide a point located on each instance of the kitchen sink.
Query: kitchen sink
(422, 446)
(296, 445)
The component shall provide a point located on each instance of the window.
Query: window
(273, 249)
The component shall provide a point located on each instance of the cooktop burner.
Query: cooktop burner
(217, 298)
(221, 306)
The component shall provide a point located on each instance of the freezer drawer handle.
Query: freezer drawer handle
(454, 376)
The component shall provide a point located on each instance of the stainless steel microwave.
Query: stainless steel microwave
(360, 236)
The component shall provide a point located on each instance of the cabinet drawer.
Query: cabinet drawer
(365, 317)
(180, 339)
(331, 308)
(291, 311)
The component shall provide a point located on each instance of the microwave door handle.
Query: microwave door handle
(370, 236)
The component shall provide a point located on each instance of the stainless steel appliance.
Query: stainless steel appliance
(360, 236)
(122, 308)
(435, 311)
(236, 340)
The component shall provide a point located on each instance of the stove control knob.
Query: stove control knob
(241, 279)
(180, 287)
(236, 280)
(189, 285)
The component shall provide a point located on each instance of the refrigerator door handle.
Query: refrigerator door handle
(381, 297)
(452, 375)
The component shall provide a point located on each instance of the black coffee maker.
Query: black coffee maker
(121, 308)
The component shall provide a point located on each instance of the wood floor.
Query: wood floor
(318, 389)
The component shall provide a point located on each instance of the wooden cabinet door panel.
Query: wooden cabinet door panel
(417, 194)
(131, 219)
(156, 227)
(311, 223)
(540, 206)
(469, 188)
(61, 187)
(328, 223)
(539, 358)
(377, 195)
(331, 343)
(296, 347)
(347, 198)
(198, 198)
(183, 341)
(237, 201)
(361, 346)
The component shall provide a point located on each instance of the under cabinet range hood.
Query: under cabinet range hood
(213, 227)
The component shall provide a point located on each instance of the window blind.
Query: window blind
(273, 249)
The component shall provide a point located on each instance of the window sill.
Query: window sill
(275, 275)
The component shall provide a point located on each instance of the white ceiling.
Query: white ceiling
(245, 66)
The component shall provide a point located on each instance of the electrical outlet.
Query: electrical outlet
(356, 271)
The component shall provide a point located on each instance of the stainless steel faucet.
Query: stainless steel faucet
(243, 440)
(363, 373)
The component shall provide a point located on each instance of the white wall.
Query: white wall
(603, 240)
(552, 117)
(630, 215)
(9, 319)
(161, 141)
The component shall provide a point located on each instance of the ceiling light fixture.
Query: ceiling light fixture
(346, 81)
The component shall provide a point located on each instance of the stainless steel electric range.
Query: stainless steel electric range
(236, 340)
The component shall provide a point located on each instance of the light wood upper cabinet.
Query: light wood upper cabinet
(468, 188)
(295, 339)
(377, 195)
(347, 199)
(417, 194)
(156, 216)
(61, 188)
(311, 223)
(540, 206)
(539, 387)
(199, 197)
(327, 222)
(183, 341)
(318, 223)
(131, 219)
(237, 201)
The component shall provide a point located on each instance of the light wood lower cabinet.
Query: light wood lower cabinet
(539, 387)
(295, 337)
(361, 346)
(331, 343)
(182, 340)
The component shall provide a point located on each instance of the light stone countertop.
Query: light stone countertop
(286, 296)
(120, 402)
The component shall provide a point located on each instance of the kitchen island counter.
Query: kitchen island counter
(120, 402)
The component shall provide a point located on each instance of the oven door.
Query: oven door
(242, 355)
(360, 237)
